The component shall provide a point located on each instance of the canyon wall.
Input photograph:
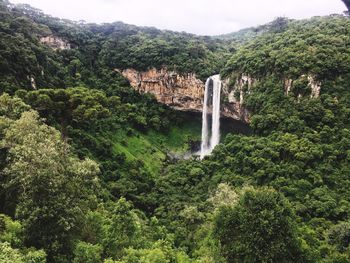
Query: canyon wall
(181, 91)
(185, 92)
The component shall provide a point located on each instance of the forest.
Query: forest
(87, 166)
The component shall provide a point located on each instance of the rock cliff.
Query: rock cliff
(182, 91)
(312, 83)
(185, 91)
(235, 94)
(55, 42)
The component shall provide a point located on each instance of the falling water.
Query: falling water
(206, 146)
(205, 130)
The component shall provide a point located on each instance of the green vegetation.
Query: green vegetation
(92, 171)
(300, 148)
(96, 51)
(245, 35)
(270, 235)
(318, 46)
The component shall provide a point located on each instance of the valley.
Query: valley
(128, 144)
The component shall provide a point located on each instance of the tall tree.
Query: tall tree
(53, 188)
(259, 228)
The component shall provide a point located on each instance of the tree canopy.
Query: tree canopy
(93, 171)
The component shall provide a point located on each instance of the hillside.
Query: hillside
(244, 35)
(93, 51)
(91, 170)
(299, 105)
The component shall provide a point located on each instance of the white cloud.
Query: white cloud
(210, 17)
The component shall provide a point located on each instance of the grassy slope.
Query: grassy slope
(152, 147)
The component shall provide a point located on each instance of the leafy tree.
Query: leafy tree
(8, 254)
(12, 108)
(11, 243)
(260, 228)
(11, 231)
(339, 235)
(72, 106)
(300, 145)
(54, 189)
(121, 229)
(161, 252)
(85, 252)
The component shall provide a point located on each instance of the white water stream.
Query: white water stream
(207, 144)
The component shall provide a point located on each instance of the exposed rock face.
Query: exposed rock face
(55, 42)
(235, 94)
(182, 92)
(288, 85)
(313, 84)
(243, 84)
(186, 92)
(32, 82)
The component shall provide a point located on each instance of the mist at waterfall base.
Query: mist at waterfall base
(211, 137)
(209, 123)
(227, 126)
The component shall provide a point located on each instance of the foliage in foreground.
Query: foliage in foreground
(72, 190)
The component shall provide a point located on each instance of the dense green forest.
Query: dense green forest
(89, 169)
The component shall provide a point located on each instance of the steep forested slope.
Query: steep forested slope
(317, 49)
(104, 119)
(96, 50)
(244, 35)
(300, 148)
(87, 168)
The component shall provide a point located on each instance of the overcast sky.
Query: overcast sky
(205, 17)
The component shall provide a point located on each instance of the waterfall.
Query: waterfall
(205, 130)
(206, 145)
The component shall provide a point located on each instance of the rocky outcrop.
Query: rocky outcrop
(287, 86)
(55, 42)
(32, 82)
(235, 93)
(313, 84)
(182, 91)
(185, 91)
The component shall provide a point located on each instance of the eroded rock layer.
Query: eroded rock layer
(180, 91)
(55, 42)
(184, 92)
